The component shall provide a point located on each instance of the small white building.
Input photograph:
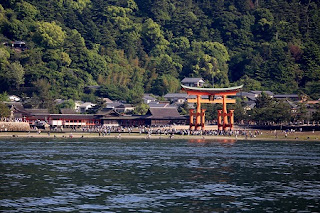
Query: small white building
(193, 82)
(148, 98)
(107, 100)
(82, 108)
(14, 98)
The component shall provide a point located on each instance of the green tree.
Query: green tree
(13, 75)
(212, 111)
(50, 34)
(211, 61)
(153, 38)
(301, 113)
(114, 92)
(263, 101)
(180, 45)
(165, 84)
(263, 111)
(15, 29)
(45, 97)
(4, 111)
(310, 62)
(4, 96)
(3, 18)
(68, 104)
(26, 10)
(77, 4)
(57, 56)
(264, 26)
(4, 63)
(316, 115)
(239, 112)
(161, 10)
(281, 112)
(249, 83)
(184, 108)
(166, 65)
(141, 109)
(268, 110)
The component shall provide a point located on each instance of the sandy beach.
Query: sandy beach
(263, 135)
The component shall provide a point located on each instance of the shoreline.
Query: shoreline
(265, 135)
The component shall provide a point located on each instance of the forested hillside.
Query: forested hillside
(129, 47)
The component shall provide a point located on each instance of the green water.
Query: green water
(45, 175)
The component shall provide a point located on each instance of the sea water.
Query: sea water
(92, 175)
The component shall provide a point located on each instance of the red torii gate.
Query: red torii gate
(223, 115)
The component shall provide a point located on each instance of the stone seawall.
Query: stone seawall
(14, 126)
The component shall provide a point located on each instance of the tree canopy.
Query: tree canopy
(131, 47)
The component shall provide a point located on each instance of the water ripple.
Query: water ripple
(159, 176)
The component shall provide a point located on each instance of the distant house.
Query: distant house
(107, 100)
(59, 101)
(16, 45)
(77, 104)
(193, 82)
(293, 107)
(19, 44)
(249, 105)
(312, 107)
(89, 89)
(248, 95)
(92, 87)
(257, 93)
(292, 97)
(148, 98)
(113, 105)
(252, 95)
(178, 98)
(85, 106)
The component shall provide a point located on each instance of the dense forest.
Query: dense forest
(131, 47)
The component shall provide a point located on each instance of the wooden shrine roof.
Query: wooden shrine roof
(163, 113)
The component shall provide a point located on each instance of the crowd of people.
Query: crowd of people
(157, 131)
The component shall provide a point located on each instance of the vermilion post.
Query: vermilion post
(198, 118)
(191, 122)
(224, 112)
(231, 118)
(219, 120)
(203, 114)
